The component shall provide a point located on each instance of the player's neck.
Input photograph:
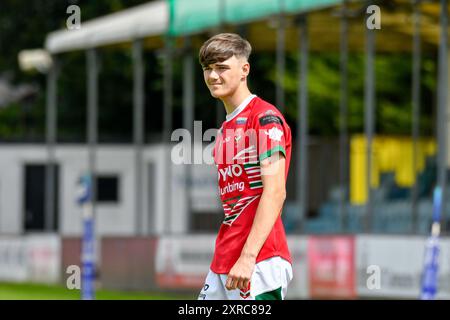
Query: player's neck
(232, 102)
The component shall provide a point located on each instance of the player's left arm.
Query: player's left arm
(268, 211)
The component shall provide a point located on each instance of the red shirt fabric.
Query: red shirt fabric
(255, 132)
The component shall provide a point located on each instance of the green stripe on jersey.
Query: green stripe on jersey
(272, 151)
(251, 165)
(255, 184)
(233, 198)
(232, 217)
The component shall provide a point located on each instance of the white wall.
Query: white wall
(154, 223)
(111, 219)
(12, 160)
(115, 218)
(203, 190)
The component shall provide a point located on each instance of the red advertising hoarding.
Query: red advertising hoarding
(331, 267)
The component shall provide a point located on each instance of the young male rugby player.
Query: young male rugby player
(252, 154)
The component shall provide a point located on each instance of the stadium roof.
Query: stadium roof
(155, 19)
(176, 17)
(191, 16)
(146, 20)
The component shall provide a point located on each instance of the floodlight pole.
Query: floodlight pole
(89, 237)
(141, 223)
(92, 116)
(416, 78)
(302, 121)
(343, 108)
(167, 129)
(369, 123)
(188, 118)
(442, 112)
(51, 119)
(281, 58)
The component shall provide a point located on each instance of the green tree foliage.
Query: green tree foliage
(393, 92)
(25, 24)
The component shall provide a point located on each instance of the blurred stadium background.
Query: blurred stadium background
(105, 96)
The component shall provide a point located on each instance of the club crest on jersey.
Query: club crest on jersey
(274, 134)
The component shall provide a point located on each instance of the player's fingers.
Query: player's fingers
(235, 284)
(240, 284)
(245, 284)
(227, 283)
(231, 283)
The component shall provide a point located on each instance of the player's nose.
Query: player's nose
(213, 75)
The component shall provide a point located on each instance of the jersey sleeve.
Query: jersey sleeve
(271, 135)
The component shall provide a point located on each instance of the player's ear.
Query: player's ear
(245, 69)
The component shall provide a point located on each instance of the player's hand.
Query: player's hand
(241, 274)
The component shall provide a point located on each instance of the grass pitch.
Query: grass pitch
(32, 291)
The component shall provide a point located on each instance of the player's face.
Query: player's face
(223, 78)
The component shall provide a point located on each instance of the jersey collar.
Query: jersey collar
(241, 107)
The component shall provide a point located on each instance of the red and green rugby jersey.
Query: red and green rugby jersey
(255, 130)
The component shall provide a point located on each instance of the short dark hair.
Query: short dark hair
(222, 47)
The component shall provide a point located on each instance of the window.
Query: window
(35, 216)
(107, 188)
